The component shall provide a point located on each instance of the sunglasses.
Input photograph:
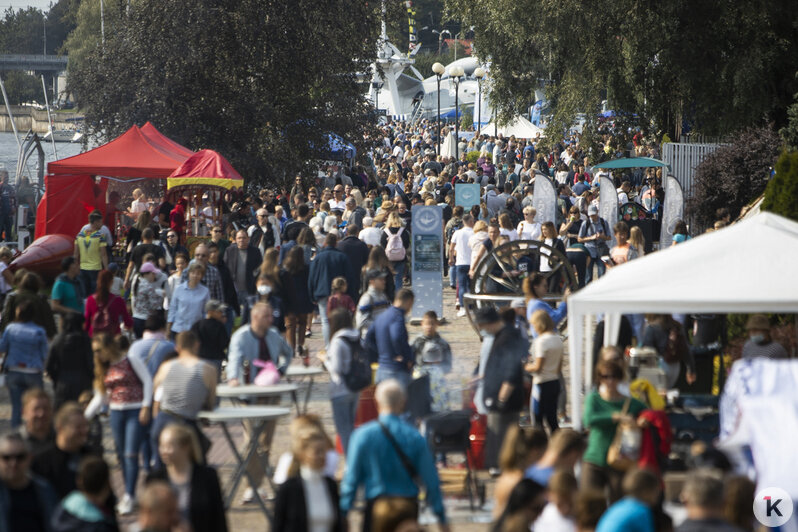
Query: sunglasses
(607, 376)
(9, 457)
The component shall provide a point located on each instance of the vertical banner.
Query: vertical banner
(466, 195)
(545, 199)
(608, 204)
(411, 28)
(673, 210)
(427, 259)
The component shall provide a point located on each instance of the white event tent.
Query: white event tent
(520, 127)
(747, 267)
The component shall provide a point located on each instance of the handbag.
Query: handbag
(624, 450)
(268, 374)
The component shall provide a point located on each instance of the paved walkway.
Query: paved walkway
(465, 348)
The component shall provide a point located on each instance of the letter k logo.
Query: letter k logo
(772, 506)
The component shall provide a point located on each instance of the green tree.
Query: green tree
(22, 87)
(733, 175)
(260, 82)
(717, 65)
(781, 194)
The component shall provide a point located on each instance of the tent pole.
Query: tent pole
(575, 330)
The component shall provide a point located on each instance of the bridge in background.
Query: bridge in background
(37, 63)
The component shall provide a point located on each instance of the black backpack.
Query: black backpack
(359, 375)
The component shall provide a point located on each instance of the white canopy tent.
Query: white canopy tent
(520, 127)
(744, 268)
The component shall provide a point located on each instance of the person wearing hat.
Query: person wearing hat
(212, 334)
(502, 376)
(147, 295)
(373, 301)
(760, 343)
(594, 234)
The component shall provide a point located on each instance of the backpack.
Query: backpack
(359, 375)
(395, 249)
(101, 321)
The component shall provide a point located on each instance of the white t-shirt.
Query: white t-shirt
(549, 347)
(337, 204)
(623, 197)
(138, 206)
(462, 249)
(551, 520)
(527, 231)
(544, 253)
(511, 234)
(475, 242)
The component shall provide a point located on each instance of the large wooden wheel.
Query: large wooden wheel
(500, 274)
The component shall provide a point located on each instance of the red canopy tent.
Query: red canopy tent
(205, 169)
(71, 192)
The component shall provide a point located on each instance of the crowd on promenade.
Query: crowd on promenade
(140, 341)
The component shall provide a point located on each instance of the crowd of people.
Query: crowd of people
(145, 335)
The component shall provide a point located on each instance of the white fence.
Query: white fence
(683, 158)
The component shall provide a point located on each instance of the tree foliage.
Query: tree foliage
(781, 194)
(260, 82)
(714, 65)
(734, 175)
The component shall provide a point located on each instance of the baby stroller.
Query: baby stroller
(449, 432)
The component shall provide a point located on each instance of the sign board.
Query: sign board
(466, 194)
(608, 205)
(672, 210)
(427, 259)
(544, 199)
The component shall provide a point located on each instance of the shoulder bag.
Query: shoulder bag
(624, 450)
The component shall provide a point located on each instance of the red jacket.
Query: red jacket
(656, 443)
(116, 308)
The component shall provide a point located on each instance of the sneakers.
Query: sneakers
(308, 333)
(461, 313)
(125, 506)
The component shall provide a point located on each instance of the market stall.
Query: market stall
(72, 189)
(203, 178)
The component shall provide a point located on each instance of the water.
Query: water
(9, 151)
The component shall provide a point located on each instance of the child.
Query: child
(118, 286)
(434, 358)
(339, 297)
(373, 301)
(558, 514)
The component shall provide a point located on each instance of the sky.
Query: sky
(17, 4)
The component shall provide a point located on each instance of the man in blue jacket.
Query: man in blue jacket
(387, 336)
(389, 458)
(328, 264)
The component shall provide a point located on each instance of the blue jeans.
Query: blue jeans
(344, 410)
(18, 382)
(325, 321)
(127, 433)
(404, 377)
(452, 276)
(399, 273)
(578, 260)
(228, 324)
(600, 266)
(89, 280)
(463, 282)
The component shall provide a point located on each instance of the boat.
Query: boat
(44, 256)
(63, 135)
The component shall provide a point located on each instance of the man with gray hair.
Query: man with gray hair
(26, 500)
(702, 495)
(390, 458)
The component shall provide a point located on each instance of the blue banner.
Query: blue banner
(427, 260)
(466, 194)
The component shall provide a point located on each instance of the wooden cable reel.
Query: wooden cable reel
(500, 275)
